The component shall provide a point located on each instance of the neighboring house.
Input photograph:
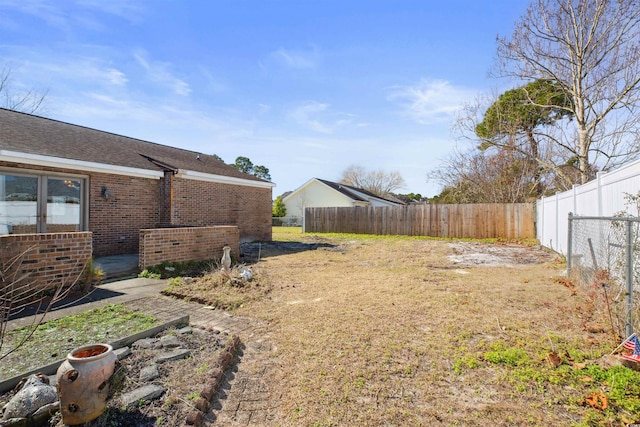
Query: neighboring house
(322, 193)
(60, 177)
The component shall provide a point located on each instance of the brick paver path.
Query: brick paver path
(245, 397)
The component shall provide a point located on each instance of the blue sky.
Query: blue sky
(305, 88)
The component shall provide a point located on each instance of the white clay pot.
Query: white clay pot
(83, 382)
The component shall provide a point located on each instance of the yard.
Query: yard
(411, 331)
(362, 330)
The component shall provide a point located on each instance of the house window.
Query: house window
(41, 203)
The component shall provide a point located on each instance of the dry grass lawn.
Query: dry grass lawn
(390, 331)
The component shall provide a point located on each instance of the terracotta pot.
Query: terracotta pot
(83, 382)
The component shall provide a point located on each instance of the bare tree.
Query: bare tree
(486, 176)
(27, 101)
(377, 182)
(591, 50)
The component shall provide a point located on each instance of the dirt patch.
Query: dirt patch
(475, 254)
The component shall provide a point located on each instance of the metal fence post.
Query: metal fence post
(629, 305)
(569, 244)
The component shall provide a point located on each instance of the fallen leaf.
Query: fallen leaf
(597, 401)
(587, 379)
(578, 365)
(554, 359)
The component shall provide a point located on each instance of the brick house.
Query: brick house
(57, 177)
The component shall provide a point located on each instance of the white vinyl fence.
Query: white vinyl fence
(602, 197)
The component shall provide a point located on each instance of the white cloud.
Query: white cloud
(303, 116)
(89, 70)
(318, 117)
(430, 101)
(159, 72)
(298, 59)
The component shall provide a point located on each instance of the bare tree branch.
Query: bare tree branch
(377, 182)
(26, 101)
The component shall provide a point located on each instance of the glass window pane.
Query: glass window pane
(63, 205)
(18, 204)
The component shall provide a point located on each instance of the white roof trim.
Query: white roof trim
(221, 179)
(78, 165)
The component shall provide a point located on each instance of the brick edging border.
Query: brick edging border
(212, 385)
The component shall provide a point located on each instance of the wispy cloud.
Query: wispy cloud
(298, 58)
(303, 115)
(430, 101)
(159, 72)
(318, 117)
(66, 16)
(126, 9)
(93, 71)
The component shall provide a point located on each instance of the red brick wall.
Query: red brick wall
(186, 244)
(136, 203)
(116, 222)
(199, 203)
(49, 258)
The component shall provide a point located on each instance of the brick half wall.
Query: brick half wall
(187, 244)
(49, 259)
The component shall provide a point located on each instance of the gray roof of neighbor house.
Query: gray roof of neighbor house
(347, 190)
(26, 133)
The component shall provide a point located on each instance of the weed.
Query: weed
(501, 354)
(168, 269)
(175, 281)
(148, 274)
(468, 361)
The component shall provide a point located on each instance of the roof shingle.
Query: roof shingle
(31, 134)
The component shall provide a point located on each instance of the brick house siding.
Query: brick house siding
(201, 203)
(135, 203)
(116, 222)
(50, 259)
(186, 244)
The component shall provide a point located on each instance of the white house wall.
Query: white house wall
(314, 195)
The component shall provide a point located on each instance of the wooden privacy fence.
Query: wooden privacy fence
(475, 221)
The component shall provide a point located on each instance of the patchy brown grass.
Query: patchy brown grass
(389, 331)
(408, 331)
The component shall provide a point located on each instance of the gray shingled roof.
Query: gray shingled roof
(31, 134)
(347, 191)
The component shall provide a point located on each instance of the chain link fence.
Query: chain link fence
(286, 221)
(603, 255)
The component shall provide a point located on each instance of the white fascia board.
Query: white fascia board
(77, 165)
(221, 179)
(297, 190)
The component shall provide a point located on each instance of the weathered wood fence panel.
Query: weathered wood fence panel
(475, 221)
